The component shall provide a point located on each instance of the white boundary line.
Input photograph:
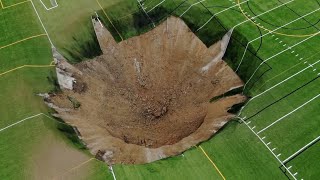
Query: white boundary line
(302, 149)
(146, 12)
(41, 22)
(18, 122)
(278, 84)
(48, 9)
(289, 48)
(301, 106)
(156, 6)
(270, 33)
(112, 172)
(191, 7)
(287, 169)
(214, 15)
(27, 118)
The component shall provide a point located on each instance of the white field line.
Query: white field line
(156, 5)
(41, 23)
(252, 18)
(191, 7)
(287, 169)
(214, 15)
(279, 53)
(302, 149)
(113, 174)
(27, 118)
(278, 85)
(288, 114)
(270, 33)
(48, 9)
(16, 123)
(145, 12)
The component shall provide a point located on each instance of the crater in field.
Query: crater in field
(147, 97)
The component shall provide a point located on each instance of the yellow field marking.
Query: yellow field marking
(15, 4)
(271, 31)
(214, 165)
(104, 12)
(78, 166)
(22, 40)
(1, 4)
(26, 66)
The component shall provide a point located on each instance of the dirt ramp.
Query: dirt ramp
(147, 98)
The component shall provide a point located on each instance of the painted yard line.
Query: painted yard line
(258, 24)
(261, 13)
(5, 7)
(287, 169)
(104, 12)
(16, 123)
(288, 114)
(277, 85)
(25, 39)
(191, 7)
(302, 149)
(146, 13)
(270, 33)
(41, 23)
(279, 53)
(214, 15)
(48, 9)
(112, 172)
(25, 66)
(214, 165)
(156, 5)
(1, 4)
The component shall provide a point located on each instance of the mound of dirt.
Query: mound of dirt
(147, 97)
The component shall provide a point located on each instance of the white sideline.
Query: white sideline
(270, 33)
(289, 48)
(214, 15)
(27, 118)
(41, 23)
(113, 174)
(288, 114)
(287, 169)
(156, 6)
(48, 9)
(191, 7)
(302, 149)
(145, 12)
(278, 85)
(16, 123)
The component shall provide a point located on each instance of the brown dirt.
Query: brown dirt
(147, 98)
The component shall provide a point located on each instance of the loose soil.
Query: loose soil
(147, 98)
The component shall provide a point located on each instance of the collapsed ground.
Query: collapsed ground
(147, 98)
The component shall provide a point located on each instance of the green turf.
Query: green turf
(235, 150)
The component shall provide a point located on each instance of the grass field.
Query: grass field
(282, 110)
(25, 61)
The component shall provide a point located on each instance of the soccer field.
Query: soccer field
(274, 48)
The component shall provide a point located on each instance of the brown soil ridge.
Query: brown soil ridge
(147, 98)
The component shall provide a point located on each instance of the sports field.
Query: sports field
(274, 48)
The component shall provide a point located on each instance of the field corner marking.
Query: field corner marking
(214, 165)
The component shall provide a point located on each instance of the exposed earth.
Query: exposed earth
(147, 98)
